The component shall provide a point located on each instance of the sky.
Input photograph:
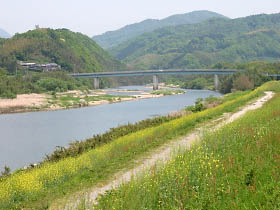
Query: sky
(93, 17)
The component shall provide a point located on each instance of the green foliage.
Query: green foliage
(113, 38)
(66, 100)
(251, 76)
(198, 83)
(198, 107)
(52, 84)
(75, 52)
(205, 44)
(167, 92)
(10, 86)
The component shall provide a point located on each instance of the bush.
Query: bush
(198, 107)
(242, 83)
(199, 83)
(8, 94)
(52, 84)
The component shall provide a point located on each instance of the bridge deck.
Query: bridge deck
(153, 72)
(273, 75)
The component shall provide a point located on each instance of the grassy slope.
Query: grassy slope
(207, 43)
(73, 51)
(236, 167)
(40, 186)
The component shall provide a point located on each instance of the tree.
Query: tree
(242, 83)
(226, 85)
(198, 83)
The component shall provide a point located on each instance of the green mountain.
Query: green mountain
(114, 38)
(75, 52)
(204, 44)
(4, 34)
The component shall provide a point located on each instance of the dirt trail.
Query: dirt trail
(166, 152)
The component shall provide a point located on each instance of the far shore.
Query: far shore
(47, 102)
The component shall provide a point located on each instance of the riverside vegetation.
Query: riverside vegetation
(69, 100)
(251, 75)
(167, 92)
(236, 167)
(38, 187)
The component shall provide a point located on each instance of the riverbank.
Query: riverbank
(236, 164)
(76, 99)
(165, 154)
(69, 175)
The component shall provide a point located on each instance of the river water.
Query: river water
(27, 137)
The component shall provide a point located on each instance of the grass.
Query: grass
(236, 167)
(106, 97)
(78, 147)
(167, 92)
(39, 187)
(69, 100)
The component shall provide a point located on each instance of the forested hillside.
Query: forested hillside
(114, 38)
(75, 52)
(204, 44)
(4, 34)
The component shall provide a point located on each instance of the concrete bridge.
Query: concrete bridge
(273, 75)
(155, 74)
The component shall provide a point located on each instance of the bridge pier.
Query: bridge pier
(216, 82)
(155, 74)
(155, 82)
(96, 83)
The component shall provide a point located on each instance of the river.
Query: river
(27, 137)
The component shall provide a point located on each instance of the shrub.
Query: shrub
(242, 83)
(52, 84)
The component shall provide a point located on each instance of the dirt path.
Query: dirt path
(165, 153)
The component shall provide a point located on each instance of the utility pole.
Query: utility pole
(16, 67)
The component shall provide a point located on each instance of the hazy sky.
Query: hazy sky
(94, 17)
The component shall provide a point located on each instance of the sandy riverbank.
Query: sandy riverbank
(45, 102)
(22, 103)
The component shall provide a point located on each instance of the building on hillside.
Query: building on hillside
(48, 67)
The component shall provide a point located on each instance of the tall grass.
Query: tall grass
(236, 167)
(37, 188)
(78, 147)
